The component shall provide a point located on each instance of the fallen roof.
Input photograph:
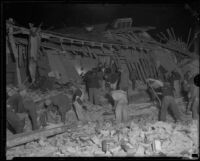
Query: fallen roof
(99, 33)
(81, 37)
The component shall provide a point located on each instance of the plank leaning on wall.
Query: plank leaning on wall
(14, 49)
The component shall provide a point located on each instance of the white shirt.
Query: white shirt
(120, 96)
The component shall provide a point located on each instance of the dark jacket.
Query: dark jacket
(167, 90)
(16, 103)
(92, 80)
(63, 104)
(78, 93)
(113, 77)
(161, 73)
(21, 105)
(175, 76)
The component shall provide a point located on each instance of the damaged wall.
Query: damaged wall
(126, 47)
(62, 64)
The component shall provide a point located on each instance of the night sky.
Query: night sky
(56, 15)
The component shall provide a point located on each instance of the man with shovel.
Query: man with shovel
(168, 101)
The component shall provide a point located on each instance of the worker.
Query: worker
(162, 72)
(120, 105)
(50, 114)
(61, 103)
(100, 75)
(92, 83)
(175, 79)
(83, 113)
(168, 100)
(193, 96)
(133, 79)
(113, 66)
(77, 101)
(112, 79)
(124, 79)
(19, 102)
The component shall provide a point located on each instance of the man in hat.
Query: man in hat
(168, 101)
(19, 102)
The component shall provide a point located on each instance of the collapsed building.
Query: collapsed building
(34, 55)
(79, 49)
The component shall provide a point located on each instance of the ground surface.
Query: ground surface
(142, 136)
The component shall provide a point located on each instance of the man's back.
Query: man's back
(16, 102)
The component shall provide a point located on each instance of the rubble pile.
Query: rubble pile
(139, 137)
(143, 135)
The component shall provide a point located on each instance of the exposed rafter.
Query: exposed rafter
(148, 44)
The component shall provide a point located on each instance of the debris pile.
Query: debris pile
(136, 138)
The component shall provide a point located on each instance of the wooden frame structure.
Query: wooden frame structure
(131, 50)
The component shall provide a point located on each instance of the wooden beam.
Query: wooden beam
(141, 71)
(14, 50)
(23, 138)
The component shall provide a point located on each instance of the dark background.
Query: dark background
(162, 16)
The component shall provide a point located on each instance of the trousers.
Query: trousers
(22, 106)
(93, 95)
(195, 108)
(14, 123)
(168, 102)
(177, 88)
(121, 112)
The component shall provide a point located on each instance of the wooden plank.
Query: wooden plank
(155, 70)
(169, 34)
(153, 67)
(137, 74)
(138, 71)
(149, 68)
(23, 138)
(135, 55)
(117, 60)
(89, 52)
(135, 71)
(127, 57)
(141, 71)
(143, 67)
(117, 57)
(140, 65)
(151, 73)
(14, 50)
(146, 67)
